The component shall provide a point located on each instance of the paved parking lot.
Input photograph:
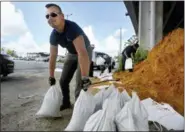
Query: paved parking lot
(29, 79)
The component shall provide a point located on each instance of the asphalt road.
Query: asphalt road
(30, 79)
(33, 66)
(18, 114)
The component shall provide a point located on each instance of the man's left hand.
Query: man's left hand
(86, 82)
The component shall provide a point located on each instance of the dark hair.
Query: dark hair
(51, 4)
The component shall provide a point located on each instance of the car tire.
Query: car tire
(5, 75)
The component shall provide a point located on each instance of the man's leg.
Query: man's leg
(123, 62)
(68, 71)
(91, 69)
(78, 82)
(110, 68)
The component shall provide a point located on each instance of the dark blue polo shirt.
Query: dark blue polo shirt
(65, 39)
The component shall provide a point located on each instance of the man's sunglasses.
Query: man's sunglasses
(53, 14)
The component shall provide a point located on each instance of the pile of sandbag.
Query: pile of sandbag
(112, 110)
(108, 110)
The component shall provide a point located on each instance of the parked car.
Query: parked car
(105, 56)
(6, 64)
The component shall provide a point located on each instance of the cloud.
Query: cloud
(89, 32)
(25, 41)
(11, 27)
(12, 20)
(110, 44)
(46, 48)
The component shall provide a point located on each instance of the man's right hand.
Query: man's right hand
(52, 81)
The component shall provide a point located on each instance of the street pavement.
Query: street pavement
(22, 93)
(30, 78)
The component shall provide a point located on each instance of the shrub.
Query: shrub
(140, 55)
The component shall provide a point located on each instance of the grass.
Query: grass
(141, 54)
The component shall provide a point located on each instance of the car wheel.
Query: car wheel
(4, 75)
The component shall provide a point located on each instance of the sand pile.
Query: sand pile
(161, 75)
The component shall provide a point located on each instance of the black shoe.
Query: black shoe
(66, 106)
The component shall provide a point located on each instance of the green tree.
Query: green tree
(2, 49)
(12, 52)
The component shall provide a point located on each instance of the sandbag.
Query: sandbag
(103, 120)
(112, 107)
(164, 114)
(101, 96)
(94, 121)
(83, 109)
(51, 103)
(128, 64)
(133, 116)
(99, 99)
(124, 97)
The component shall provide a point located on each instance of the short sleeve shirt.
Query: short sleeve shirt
(65, 39)
(129, 50)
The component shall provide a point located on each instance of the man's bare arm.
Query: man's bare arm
(52, 59)
(83, 57)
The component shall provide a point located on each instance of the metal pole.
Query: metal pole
(152, 27)
(68, 15)
(120, 48)
(120, 40)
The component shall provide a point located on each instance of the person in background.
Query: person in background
(127, 53)
(106, 65)
(92, 62)
(69, 35)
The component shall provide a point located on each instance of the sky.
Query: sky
(24, 27)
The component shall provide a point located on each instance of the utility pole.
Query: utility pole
(120, 46)
(120, 49)
(68, 15)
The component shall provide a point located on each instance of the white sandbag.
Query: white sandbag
(128, 64)
(125, 97)
(108, 92)
(94, 121)
(139, 112)
(101, 96)
(164, 114)
(111, 109)
(99, 100)
(103, 120)
(83, 109)
(100, 61)
(124, 119)
(137, 120)
(51, 103)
